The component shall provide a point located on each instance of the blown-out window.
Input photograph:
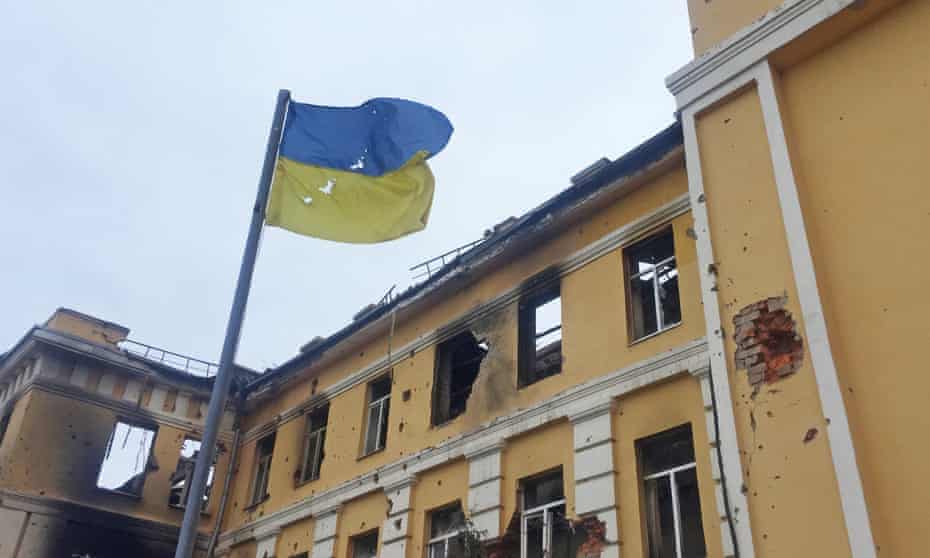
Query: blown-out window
(540, 336)
(184, 472)
(126, 460)
(652, 280)
(458, 361)
(379, 404)
(672, 505)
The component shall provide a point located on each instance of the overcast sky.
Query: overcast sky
(132, 134)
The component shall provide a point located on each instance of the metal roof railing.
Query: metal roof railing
(191, 365)
(432, 265)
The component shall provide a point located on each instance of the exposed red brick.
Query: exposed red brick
(768, 346)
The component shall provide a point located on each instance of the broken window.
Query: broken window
(672, 506)
(544, 529)
(457, 363)
(314, 439)
(540, 336)
(184, 472)
(365, 546)
(263, 453)
(654, 304)
(379, 402)
(445, 528)
(126, 460)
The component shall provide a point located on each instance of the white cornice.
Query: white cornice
(748, 46)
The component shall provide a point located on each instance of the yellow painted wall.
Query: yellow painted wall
(59, 445)
(541, 450)
(712, 21)
(595, 343)
(96, 331)
(858, 117)
(646, 412)
(436, 488)
(294, 539)
(358, 517)
(782, 472)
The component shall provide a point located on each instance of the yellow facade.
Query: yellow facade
(793, 189)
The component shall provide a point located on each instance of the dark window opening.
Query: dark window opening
(264, 450)
(184, 472)
(314, 444)
(365, 546)
(652, 273)
(540, 336)
(458, 361)
(672, 509)
(379, 405)
(5, 425)
(126, 461)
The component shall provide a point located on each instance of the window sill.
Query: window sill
(254, 505)
(302, 483)
(369, 454)
(129, 495)
(653, 334)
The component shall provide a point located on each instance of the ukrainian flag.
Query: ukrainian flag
(356, 174)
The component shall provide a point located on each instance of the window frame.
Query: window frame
(446, 538)
(527, 336)
(383, 403)
(320, 453)
(131, 423)
(544, 510)
(263, 468)
(671, 474)
(629, 276)
(353, 540)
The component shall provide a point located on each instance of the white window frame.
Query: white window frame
(443, 540)
(262, 474)
(673, 487)
(310, 470)
(382, 420)
(654, 269)
(546, 512)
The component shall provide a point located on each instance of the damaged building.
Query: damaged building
(693, 350)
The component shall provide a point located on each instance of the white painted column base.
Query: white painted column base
(267, 542)
(484, 488)
(324, 533)
(726, 538)
(395, 529)
(595, 482)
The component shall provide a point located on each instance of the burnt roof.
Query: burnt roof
(634, 161)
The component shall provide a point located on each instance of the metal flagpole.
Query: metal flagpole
(225, 374)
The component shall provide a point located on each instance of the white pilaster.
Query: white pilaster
(484, 488)
(324, 533)
(395, 529)
(266, 544)
(595, 473)
(707, 394)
